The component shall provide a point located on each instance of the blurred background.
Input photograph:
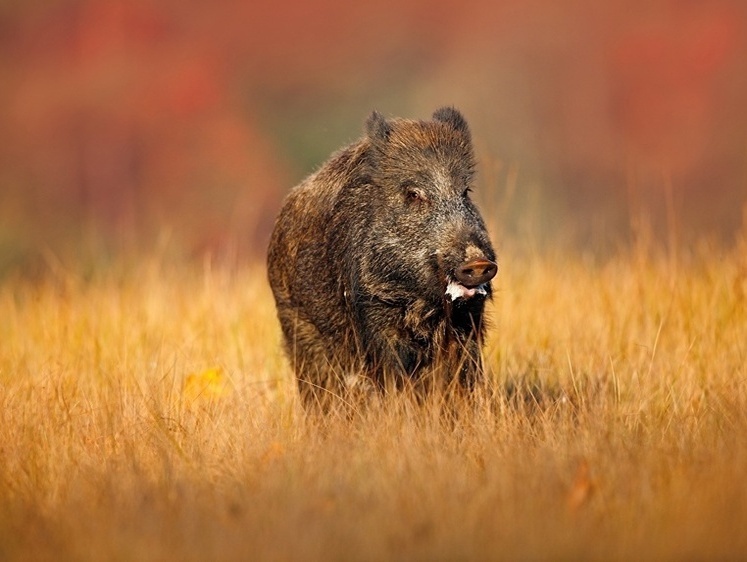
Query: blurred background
(127, 123)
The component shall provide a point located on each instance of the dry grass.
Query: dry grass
(616, 431)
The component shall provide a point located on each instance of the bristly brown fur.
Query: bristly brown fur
(361, 255)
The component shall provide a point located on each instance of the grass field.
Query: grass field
(147, 413)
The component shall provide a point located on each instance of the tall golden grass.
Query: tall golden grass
(147, 413)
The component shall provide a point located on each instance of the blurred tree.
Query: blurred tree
(131, 117)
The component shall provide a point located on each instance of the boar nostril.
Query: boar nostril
(475, 272)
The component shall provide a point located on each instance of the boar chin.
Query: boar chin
(455, 291)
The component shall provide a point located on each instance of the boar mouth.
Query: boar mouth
(455, 290)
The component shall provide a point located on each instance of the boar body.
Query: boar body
(380, 263)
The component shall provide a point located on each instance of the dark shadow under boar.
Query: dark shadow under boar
(380, 263)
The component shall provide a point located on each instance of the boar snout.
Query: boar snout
(476, 272)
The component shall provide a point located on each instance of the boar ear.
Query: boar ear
(451, 116)
(377, 127)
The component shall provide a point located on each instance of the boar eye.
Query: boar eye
(414, 195)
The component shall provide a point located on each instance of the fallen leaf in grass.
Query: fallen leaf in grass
(273, 452)
(324, 505)
(210, 383)
(582, 488)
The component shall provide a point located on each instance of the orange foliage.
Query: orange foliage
(153, 113)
